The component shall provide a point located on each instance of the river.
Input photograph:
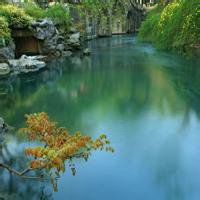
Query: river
(146, 101)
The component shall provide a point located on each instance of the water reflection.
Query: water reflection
(147, 101)
(12, 187)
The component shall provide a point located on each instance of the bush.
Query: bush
(149, 28)
(189, 15)
(34, 11)
(15, 16)
(177, 25)
(168, 26)
(59, 14)
(4, 31)
(4, 1)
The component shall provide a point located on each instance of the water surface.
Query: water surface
(146, 101)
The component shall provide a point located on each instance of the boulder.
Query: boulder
(7, 52)
(3, 126)
(73, 30)
(44, 29)
(74, 41)
(66, 53)
(4, 69)
(57, 53)
(74, 38)
(86, 52)
(60, 47)
(26, 64)
(53, 42)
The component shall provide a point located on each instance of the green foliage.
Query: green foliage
(4, 30)
(177, 26)
(59, 14)
(167, 25)
(15, 16)
(3, 2)
(34, 11)
(149, 27)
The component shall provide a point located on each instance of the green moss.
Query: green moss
(177, 26)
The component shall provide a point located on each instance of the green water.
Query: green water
(146, 101)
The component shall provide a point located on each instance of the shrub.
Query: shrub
(149, 28)
(4, 31)
(3, 1)
(167, 26)
(190, 24)
(178, 25)
(15, 16)
(59, 14)
(34, 11)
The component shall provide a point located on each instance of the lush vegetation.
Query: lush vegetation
(34, 10)
(105, 13)
(15, 16)
(4, 31)
(176, 26)
(58, 13)
(12, 16)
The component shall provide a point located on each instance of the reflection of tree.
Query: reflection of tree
(13, 187)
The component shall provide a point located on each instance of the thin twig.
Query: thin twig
(21, 174)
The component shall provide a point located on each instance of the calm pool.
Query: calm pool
(146, 101)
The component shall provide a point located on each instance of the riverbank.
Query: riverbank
(174, 27)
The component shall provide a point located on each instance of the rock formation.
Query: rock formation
(26, 64)
(7, 52)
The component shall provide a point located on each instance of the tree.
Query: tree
(57, 148)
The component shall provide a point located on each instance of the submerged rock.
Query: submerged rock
(4, 69)
(26, 64)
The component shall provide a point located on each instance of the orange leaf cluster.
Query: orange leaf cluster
(58, 145)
